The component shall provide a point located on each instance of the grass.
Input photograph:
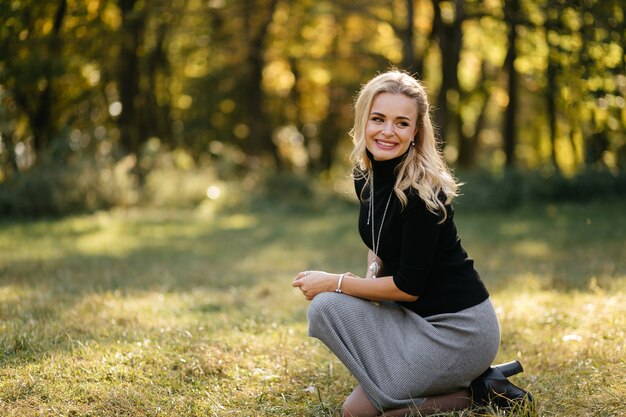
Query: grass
(184, 313)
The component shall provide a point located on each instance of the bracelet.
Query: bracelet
(338, 290)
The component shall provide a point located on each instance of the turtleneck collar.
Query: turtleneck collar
(384, 171)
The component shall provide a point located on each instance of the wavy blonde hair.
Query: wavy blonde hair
(424, 168)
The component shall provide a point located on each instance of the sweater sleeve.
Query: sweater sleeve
(419, 239)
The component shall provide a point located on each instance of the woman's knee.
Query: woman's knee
(358, 405)
(322, 306)
(350, 411)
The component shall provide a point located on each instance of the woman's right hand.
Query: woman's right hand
(312, 283)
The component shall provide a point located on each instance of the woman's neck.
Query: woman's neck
(385, 171)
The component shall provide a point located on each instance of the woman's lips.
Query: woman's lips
(383, 144)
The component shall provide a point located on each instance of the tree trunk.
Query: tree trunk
(551, 105)
(331, 128)
(41, 119)
(128, 73)
(551, 85)
(10, 166)
(468, 144)
(159, 123)
(596, 139)
(511, 11)
(260, 139)
(408, 35)
(450, 42)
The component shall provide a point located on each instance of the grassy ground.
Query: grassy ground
(179, 313)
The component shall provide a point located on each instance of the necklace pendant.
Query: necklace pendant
(374, 269)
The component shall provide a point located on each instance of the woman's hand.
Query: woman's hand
(312, 283)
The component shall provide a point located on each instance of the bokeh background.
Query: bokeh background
(122, 102)
(167, 167)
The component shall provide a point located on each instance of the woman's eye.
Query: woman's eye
(377, 119)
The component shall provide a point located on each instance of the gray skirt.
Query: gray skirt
(399, 357)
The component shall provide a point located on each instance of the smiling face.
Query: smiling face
(391, 125)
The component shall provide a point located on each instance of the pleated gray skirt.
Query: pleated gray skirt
(399, 357)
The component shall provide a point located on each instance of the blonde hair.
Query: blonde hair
(424, 168)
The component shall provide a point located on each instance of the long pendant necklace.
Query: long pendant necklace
(374, 267)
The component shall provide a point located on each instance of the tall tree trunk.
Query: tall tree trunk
(160, 118)
(408, 37)
(41, 118)
(450, 42)
(331, 127)
(596, 140)
(511, 11)
(468, 144)
(128, 73)
(9, 165)
(260, 139)
(551, 84)
(551, 105)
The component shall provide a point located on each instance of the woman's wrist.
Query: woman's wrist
(340, 281)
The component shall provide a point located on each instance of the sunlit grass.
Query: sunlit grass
(180, 313)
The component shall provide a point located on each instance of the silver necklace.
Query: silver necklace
(374, 267)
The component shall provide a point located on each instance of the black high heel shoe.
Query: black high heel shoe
(510, 368)
(493, 387)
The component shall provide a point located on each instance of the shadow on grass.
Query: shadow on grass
(564, 248)
(50, 267)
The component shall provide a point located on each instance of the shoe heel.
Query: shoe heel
(510, 368)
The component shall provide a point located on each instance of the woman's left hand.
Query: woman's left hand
(312, 283)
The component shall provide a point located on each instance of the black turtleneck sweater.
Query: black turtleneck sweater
(425, 258)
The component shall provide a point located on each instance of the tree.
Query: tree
(551, 88)
(260, 139)
(33, 38)
(131, 37)
(450, 38)
(511, 14)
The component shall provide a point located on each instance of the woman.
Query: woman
(416, 337)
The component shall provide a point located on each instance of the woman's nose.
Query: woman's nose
(388, 129)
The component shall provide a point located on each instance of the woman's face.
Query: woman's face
(391, 125)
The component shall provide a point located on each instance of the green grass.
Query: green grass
(180, 313)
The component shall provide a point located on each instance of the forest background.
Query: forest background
(102, 100)
(166, 167)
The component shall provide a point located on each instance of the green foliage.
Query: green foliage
(175, 180)
(270, 80)
(198, 75)
(484, 190)
(296, 191)
(82, 184)
(174, 187)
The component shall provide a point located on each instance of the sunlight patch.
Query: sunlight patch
(107, 241)
(11, 294)
(238, 221)
(532, 249)
(572, 338)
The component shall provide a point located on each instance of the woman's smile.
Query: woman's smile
(385, 144)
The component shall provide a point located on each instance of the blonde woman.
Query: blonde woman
(422, 335)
